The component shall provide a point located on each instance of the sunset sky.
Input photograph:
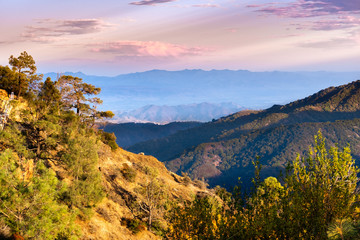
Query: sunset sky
(111, 37)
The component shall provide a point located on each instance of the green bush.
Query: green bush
(109, 139)
(152, 172)
(81, 160)
(135, 225)
(129, 173)
(186, 179)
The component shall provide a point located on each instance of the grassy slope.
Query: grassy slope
(107, 222)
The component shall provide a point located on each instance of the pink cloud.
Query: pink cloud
(340, 22)
(148, 49)
(352, 39)
(298, 9)
(255, 6)
(308, 8)
(151, 2)
(206, 5)
(344, 5)
(232, 30)
(330, 44)
(336, 14)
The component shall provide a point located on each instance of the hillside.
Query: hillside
(114, 182)
(116, 215)
(128, 134)
(222, 151)
(63, 178)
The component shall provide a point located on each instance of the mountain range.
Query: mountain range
(202, 112)
(222, 151)
(253, 90)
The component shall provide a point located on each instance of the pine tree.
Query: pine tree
(24, 65)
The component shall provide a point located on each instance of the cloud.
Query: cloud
(298, 9)
(350, 41)
(151, 2)
(47, 30)
(330, 44)
(338, 23)
(147, 49)
(5, 42)
(344, 5)
(232, 30)
(308, 8)
(206, 5)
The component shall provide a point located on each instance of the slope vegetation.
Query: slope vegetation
(223, 150)
(62, 178)
(128, 134)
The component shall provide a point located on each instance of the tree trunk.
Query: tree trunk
(78, 107)
(19, 85)
(150, 220)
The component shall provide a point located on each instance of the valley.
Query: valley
(222, 151)
(180, 120)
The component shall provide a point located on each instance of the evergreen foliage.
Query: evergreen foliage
(221, 151)
(34, 202)
(27, 79)
(317, 200)
(29, 200)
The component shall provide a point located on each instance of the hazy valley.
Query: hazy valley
(222, 150)
(180, 120)
(251, 90)
(63, 175)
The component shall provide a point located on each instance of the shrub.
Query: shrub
(109, 139)
(152, 172)
(135, 225)
(200, 183)
(128, 173)
(186, 179)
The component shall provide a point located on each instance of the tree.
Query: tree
(28, 199)
(81, 160)
(153, 199)
(321, 189)
(8, 78)
(74, 93)
(24, 65)
(203, 218)
(49, 96)
(264, 211)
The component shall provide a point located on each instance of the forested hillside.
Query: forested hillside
(128, 134)
(222, 151)
(62, 178)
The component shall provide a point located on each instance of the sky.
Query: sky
(112, 37)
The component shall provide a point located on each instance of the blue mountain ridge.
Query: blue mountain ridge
(255, 90)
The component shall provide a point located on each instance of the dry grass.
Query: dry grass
(121, 195)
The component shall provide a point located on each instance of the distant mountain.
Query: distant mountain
(202, 112)
(222, 151)
(131, 133)
(256, 90)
